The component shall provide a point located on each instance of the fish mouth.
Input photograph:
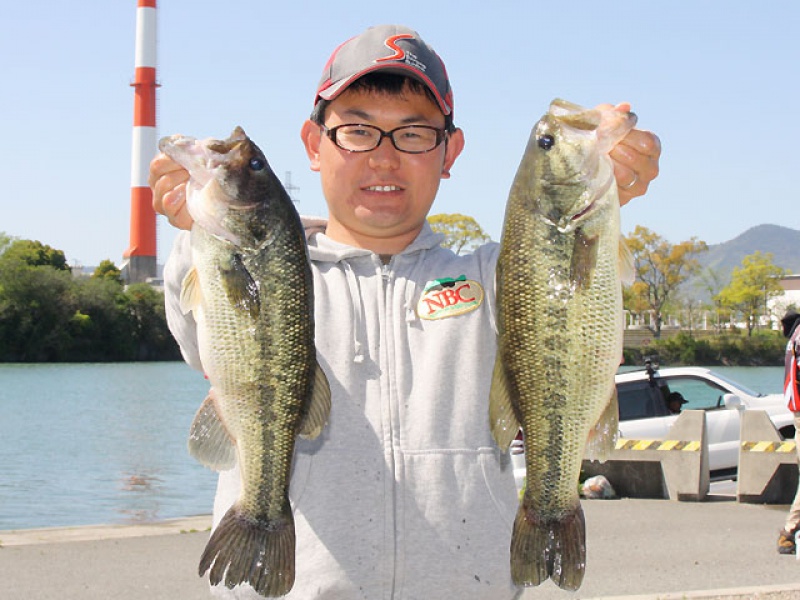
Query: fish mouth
(244, 207)
(196, 156)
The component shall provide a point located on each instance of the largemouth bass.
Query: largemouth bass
(250, 290)
(559, 302)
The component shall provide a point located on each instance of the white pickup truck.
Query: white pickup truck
(643, 411)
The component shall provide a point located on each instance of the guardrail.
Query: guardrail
(767, 464)
(675, 468)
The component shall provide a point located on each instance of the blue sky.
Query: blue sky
(717, 80)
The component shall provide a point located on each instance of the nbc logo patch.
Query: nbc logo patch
(448, 297)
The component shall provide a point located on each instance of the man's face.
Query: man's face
(379, 199)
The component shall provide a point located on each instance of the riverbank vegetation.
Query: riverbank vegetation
(49, 314)
(761, 349)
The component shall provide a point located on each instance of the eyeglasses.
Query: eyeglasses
(412, 139)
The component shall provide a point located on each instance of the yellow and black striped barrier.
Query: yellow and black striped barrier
(674, 468)
(681, 445)
(777, 447)
(767, 463)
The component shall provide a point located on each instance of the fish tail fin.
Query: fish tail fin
(245, 550)
(554, 549)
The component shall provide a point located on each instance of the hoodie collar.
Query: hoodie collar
(324, 249)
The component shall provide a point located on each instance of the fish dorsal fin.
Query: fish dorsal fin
(241, 289)
(603, 435)
(502, 418)
(209, 439)
(319, 408)
(627, 268)
(191, 294)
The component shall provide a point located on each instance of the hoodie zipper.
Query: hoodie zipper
(385, 359)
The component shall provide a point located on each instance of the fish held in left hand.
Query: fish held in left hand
(559, 300)
(250, 291)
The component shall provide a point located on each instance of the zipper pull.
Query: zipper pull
(386, 272)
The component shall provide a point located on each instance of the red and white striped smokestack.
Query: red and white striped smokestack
(141, 255)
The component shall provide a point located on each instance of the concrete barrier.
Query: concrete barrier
(767, 464)
(675, 468)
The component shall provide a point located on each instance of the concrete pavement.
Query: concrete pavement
(636, 550)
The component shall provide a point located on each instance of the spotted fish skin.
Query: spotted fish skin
(559, 303)
(250, 290)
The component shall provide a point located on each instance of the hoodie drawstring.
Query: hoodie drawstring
(355, 302)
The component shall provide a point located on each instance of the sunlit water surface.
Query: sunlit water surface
(99, 443)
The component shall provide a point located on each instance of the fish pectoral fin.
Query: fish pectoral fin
(210, 442)
(584, 259)
(319, 408)
(603, 436)
(191, 295)
(241, 289)
(502, 418)
(627, 267)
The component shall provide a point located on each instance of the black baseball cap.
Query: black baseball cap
(390, 48)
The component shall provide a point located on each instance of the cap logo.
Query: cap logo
(391, 43)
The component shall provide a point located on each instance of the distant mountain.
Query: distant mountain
(783, 243)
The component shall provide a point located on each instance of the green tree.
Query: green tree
(36, 309)
(660, 268)
(150, 334)
(752, 285)
(101, 327)
(36, 254)
(461, 232)
(108, 270)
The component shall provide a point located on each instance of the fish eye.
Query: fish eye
(546, 142)
(256, 164)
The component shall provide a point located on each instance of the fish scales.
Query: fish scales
(560, 330)
(248, 357)
(250, 288)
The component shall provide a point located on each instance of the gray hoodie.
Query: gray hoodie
(404, 495)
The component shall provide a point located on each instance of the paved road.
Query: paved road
(636, 549)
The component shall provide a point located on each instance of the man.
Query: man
(790, 321)
(675, 401)
(405, 494)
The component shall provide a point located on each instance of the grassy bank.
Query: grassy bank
(762, 349)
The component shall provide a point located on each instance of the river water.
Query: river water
(99, 443)
(85, 444)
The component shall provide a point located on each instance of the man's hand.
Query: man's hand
(635, 160)
(168, 182)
